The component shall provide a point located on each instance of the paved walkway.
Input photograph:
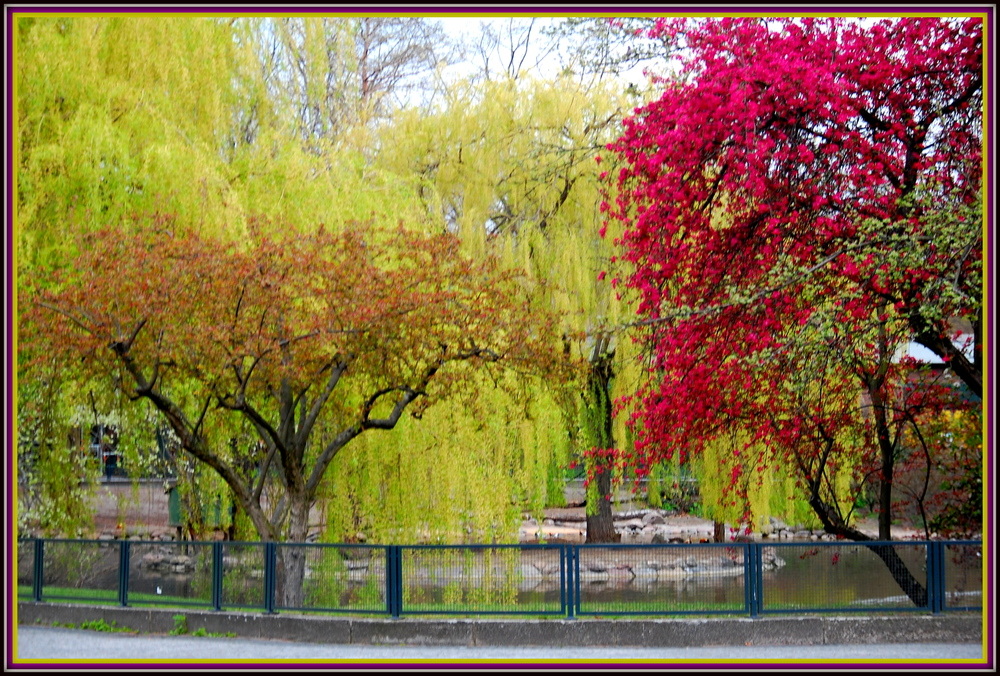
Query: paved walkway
(57, 647)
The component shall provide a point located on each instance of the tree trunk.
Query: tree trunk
(901, 574)
(290, 576)
(887, 462)
(291, 564)
(600, 519)
(834, 524)
(937, 341)
(718, 531)
(601, 524)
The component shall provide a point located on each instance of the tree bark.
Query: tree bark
(887, 464)
(291, 569)
(601, 525)
(901, 574)
(969, 372)
(832, 519)
(600, 520)
(834, 524)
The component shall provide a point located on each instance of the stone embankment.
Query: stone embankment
(166, 561)
(616, 564)
(654, 526)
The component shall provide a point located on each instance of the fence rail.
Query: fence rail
(564, 580)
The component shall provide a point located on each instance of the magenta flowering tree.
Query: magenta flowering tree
(802, 200)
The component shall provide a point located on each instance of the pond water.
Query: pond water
(802, 576)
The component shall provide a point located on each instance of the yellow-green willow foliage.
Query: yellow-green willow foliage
(509, 166)
(51, 498)
(117, 115)
(459, 474)
(131, 114)
(182, 115)
(734, 480)
(512, 166)
(127, 115)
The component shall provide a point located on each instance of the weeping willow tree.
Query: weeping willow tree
(735, 481)
(117, 115)
(513, 166)
(459, 474)
(114, 116)
(131, 115)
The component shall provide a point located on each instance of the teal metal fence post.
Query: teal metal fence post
(747, 579)
(399, 581)
(939, 569)
(390, 593)
(573, 580)
(565, 581)
(270, 570)
(563, 597)
(39, 569)
(394, 580)
(753, 567)
(935, 577)
(217, 576)
(388, 587)
(124, 557)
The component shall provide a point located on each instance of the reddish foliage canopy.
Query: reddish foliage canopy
(774, 203)
(310, 338)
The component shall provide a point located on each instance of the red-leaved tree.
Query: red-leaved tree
(799, 203)
(309, 339)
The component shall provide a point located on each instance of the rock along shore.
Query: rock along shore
(656, 526)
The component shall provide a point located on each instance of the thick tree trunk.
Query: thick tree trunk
(830, 515)
(600, 519)
(290, 576)
(601, 524)
(291, 564)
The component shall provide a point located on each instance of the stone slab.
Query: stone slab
(697, 632)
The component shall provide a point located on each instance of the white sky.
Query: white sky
(468, 28)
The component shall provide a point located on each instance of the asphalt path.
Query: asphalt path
(52, 646)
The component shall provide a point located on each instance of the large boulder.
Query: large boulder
(653, 518)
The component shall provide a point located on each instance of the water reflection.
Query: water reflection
(628, 579)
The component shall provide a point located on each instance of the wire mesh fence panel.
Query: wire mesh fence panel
(170, 573)
(540, 576)
(526, 579)
(481, 579)
(26, 568)
(243, 573)
(345, 578)
(845, 576)
(82, 570)
(661, 579)
(963, 576)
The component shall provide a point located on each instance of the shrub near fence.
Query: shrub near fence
(746, 578)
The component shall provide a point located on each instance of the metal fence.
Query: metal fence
(558, 580)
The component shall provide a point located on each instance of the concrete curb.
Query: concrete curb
(680, 633)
